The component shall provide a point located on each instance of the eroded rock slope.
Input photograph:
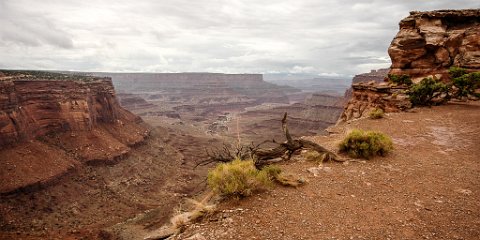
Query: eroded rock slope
(50, 123)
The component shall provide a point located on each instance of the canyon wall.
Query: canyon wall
(311, 117)
(197, 97)
(66, 120)
(429, 43)
(199, 88)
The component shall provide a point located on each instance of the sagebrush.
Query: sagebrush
(366, 144)
(376, 113)
(240, 178)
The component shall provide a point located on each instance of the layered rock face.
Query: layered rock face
(428, 43)
(369, 96)
(66, 119)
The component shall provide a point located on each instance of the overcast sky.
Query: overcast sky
(325, 37)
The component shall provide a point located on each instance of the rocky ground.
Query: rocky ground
(427, 188)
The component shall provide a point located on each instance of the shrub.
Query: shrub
(428, 92)
(455, 72)
(465, 83)
(366, 144)
(240, 178)
(400, 80)
(376, 113)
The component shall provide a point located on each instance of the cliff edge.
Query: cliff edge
(51, 123)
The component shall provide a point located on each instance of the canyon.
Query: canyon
(70, 141)
(225, 105)
(98, 155)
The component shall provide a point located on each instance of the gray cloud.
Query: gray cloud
(30, 29)
(304, 36)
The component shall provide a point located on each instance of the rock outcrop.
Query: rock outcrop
(51, 122)
(372, 95)
(377, 76)
(429, 43)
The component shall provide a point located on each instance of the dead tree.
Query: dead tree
(263, 157)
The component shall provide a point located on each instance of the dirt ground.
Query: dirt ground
(427, 188)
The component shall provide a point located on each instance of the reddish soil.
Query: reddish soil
(427, 188)
(98, 202)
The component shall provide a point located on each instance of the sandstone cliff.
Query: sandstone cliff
(369, 96)
(51, 122)
(428, 43)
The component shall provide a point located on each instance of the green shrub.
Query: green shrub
(400, 80)
(455, 72)
(240, 178)
(465, 83)
(376, 113)
(366, 144)
(428, 92)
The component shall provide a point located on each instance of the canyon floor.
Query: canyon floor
(427, 188)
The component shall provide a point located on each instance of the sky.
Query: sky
(320, 37)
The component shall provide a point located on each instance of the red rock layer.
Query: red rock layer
(429, 43)
(48, 126)
(369, 96)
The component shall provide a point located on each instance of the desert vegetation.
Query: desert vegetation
(400, 79)
(430, 91)
(465, 84)
(262, 157)
(240, 178)
(366, 144)
(376, 113)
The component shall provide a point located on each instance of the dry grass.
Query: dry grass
(376, 113)
(240, 178)
(314, 156)
(200, 209)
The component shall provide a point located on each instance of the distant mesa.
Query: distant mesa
(374, 75)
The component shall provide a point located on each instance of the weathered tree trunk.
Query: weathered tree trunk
(288, 148)
(263, 157)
